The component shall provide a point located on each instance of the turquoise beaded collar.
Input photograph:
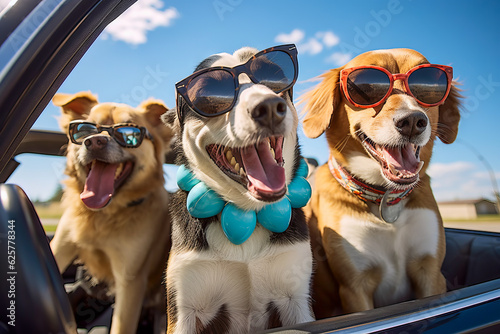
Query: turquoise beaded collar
(237, 224)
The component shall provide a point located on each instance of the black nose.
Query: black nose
(96, 142)
(268, 111)
(412, 124)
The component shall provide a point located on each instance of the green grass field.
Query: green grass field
(51, 211)
(49, 228)
(482, 218)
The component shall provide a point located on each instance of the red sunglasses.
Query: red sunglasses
(370, 86)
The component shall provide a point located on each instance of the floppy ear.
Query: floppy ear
(74, 106)
(153, 110)
(321, 103)
(449, 116)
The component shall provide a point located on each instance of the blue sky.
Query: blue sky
(157, 43)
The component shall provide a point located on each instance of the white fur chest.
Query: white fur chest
(389, 247)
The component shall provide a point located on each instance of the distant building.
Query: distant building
(467, 209)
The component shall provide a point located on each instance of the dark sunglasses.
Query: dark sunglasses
(369, 86)
(125, 134)
(213, 91)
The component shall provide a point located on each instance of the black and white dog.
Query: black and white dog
(236, 127)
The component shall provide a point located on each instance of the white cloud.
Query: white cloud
(339, 58)
(460, 180)
(5, 3)
(295, 36)
(312, 46)
(315, 45)
(439, 170)
(328, 38)
(486, 175)
(145, 15)
(313, 80)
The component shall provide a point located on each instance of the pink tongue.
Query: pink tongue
(99, 186)
(402, 158)
(265, 175)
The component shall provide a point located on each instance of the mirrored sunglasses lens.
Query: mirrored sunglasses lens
(275, 70)
(82, 131)
(212, 92)
(428, 84)
(367, 86)
(128, 136)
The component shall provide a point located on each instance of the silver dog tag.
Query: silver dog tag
(389, 213)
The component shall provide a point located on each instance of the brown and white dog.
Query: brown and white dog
(373, 251)
(248, 155)
(116, 218)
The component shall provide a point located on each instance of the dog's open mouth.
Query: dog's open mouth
(257, 167)
(400, 164)
(102, 181)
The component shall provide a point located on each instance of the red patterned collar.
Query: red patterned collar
(362, 190)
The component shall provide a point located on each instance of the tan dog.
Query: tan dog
(116, 218)
(373, 250)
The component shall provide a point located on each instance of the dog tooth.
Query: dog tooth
(229, 155)
(419, 168)
(118, 170)
(233, 161)
(237, 166)
(242, 171)
(274, 154)
(392, 169)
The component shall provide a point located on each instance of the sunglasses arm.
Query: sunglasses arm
(180, 101)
